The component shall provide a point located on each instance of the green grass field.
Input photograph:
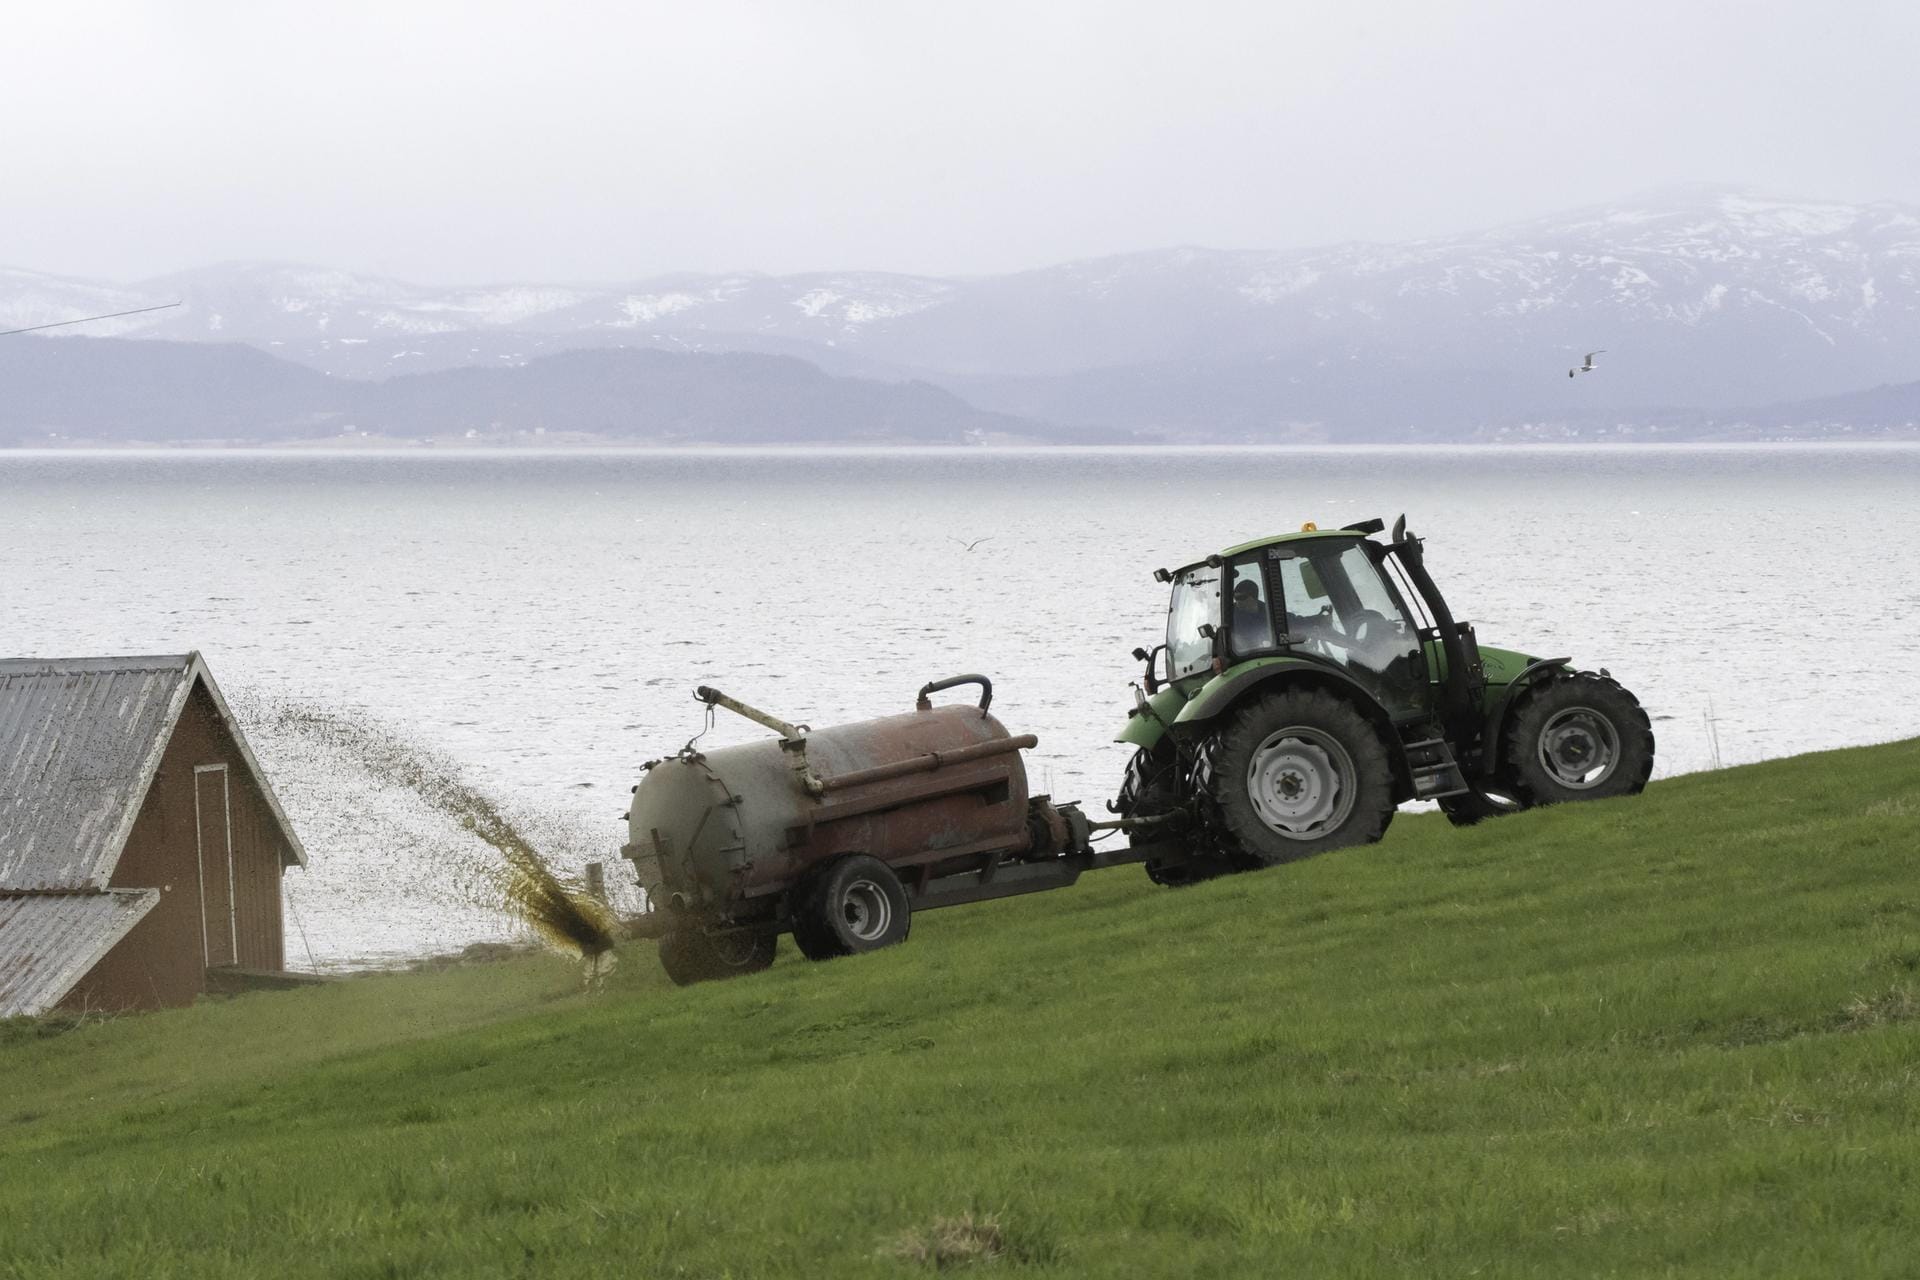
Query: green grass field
(1667, 1036)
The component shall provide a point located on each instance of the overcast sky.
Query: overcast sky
(455, 142)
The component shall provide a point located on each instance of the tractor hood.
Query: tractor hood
(1503, 665)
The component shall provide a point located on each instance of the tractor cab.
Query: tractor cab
(1333, 598)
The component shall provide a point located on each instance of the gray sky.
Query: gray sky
(446, 142)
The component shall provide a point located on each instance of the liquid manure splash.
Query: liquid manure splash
(560, 911)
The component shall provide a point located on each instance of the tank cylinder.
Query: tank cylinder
(723, 828)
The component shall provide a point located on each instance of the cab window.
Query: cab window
(1196, 601)
(1250, 617)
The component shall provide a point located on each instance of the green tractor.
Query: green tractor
(1311, 683)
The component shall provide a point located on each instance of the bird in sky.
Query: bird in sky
(971, 545)
(1588, 366)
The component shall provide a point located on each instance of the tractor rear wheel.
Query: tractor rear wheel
(852, 905)
(1579, 737)
(1297, 773)
(691, 955)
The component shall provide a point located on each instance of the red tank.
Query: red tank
(929, 808)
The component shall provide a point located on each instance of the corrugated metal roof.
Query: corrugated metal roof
(80, 740)
(48, 941)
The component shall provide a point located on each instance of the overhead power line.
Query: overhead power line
(137, 311)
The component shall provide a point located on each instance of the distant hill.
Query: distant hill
(736, 397)
(118, 390)
(113, 389)
(1704, 298)
(1888, 410)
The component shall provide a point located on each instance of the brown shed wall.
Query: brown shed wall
(163, 960)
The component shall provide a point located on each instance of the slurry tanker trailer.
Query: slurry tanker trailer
(1307, 686)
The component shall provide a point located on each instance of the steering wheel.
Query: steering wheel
(1320, 629)
(1364, 629)
(1360, 627)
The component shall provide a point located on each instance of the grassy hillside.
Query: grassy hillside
(1669, 1036)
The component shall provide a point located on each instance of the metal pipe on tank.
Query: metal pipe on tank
(929, 762)
(715, 698)
(793, 737)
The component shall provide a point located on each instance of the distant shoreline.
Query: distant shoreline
(375, 448)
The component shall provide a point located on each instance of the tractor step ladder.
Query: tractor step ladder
(1435, 772)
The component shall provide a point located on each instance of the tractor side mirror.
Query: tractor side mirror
(1147, 656)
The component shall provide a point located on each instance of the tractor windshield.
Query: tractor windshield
(1196, 601)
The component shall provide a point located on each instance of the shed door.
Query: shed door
(215, 831)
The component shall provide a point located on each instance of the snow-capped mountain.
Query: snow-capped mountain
(1702, 298)
(368, 326)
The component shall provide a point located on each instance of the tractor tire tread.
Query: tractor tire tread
(813, 928)
(810, 934)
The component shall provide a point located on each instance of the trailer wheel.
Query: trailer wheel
(691, 955)
(1580, 737)
(852, 905)
(1294, 774)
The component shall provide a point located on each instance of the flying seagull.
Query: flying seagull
(971, 545)
(1588, 366)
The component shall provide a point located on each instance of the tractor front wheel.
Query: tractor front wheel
(1297, 773)
(1580, 737)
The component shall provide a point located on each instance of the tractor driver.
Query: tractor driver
(1252, 628)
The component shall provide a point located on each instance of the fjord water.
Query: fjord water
(541, 618)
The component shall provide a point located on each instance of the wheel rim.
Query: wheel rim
(867, 910)
(1301, 782)
(1501, 800)
(734, 950)
(1579, 748)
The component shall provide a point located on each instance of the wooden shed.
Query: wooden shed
(141, 847)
